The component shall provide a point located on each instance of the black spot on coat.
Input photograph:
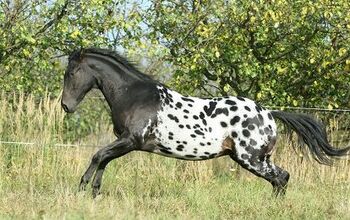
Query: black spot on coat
(233, 108)
(240, 98)
(230, 102)
(258, 108)
(269, 116)
(243, 143)
(223, 124)
(209, 110)
(252, 142)
(190, 156)
(234, 134)
(178, 104)
(172, 117)
(198, 132)
(246, 133)
(251, 127)
(187, 99)
(219, 111)
(165, 151)
(234, 120)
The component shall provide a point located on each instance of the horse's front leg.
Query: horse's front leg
(100, 160)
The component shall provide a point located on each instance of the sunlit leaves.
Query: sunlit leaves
(280, 52)
(34, 32)
(272, 51)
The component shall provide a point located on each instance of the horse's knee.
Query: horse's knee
(96, 158)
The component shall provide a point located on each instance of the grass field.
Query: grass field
(40, 181)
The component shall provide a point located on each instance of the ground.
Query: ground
(42, 183)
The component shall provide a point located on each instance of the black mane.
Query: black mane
(77, 54)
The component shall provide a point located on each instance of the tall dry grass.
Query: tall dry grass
(40, 180)
(27, 119)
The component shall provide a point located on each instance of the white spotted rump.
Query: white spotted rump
(194, 128)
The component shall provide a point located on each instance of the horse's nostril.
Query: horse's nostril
(65, 108)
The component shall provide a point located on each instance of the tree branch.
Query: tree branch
(55, 20)
(252, 45)
(295, 46)
(206, 91)
(15, 47)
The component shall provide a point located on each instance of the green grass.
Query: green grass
(43, 183)
(40, 181)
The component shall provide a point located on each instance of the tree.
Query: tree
(34, 33)
(278, 52)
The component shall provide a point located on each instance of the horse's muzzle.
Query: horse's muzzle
(66, 109)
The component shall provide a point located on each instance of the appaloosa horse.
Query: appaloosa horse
(148, 116)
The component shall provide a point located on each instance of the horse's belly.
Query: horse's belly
(188, 144)
(182, 150)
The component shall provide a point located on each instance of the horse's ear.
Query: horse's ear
(81, 53)
(77, 54)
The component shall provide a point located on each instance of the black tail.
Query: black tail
(313, 134)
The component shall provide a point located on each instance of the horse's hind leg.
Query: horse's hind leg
(258, 162)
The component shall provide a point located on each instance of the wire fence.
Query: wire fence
(344, 137)
(335, 119)
(309, 109)
(44, 144)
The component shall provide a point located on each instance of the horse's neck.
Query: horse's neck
(113, 87)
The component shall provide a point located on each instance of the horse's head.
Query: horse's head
(79, 79)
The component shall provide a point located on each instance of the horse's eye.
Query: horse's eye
(72, 73)
(92, 65)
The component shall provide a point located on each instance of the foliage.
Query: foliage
(34, 33)
(278, 52)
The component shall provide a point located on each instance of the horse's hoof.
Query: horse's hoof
(95, 192)
(82, 186)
